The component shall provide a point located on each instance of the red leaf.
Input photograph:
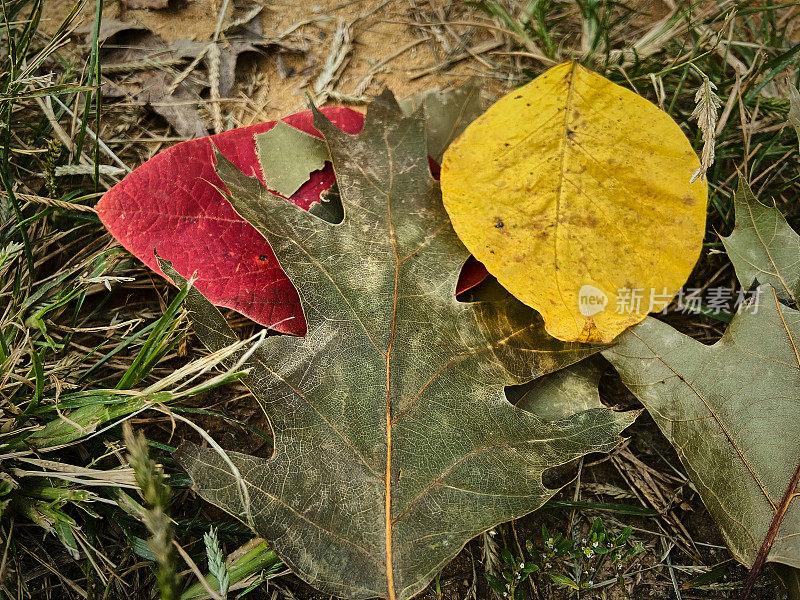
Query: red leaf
(171, 206)
(472, 273)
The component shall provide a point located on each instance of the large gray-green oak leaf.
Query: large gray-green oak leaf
(731, 410)
(394, 441)
(763, 247)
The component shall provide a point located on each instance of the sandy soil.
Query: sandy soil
(388, 50)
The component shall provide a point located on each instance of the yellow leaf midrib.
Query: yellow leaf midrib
(560, 187)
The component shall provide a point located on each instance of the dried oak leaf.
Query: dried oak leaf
(447, 114)
(763, 247)
(289, 157)
(246, 36)
(563, 393)
(144, 59)
(394, 441)
(731, 411)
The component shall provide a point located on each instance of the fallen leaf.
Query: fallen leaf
(762, 247)
(178, 107)
(288, 157)
(447, 114)
(765, 249)
(130, 48)
(244, 36)
(731, 412)
(394, 441)
(108, 28)
(574, 193)
(172, 205)
(472, 274)
(562, 394)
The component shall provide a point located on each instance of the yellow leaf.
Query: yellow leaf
(575, 194)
